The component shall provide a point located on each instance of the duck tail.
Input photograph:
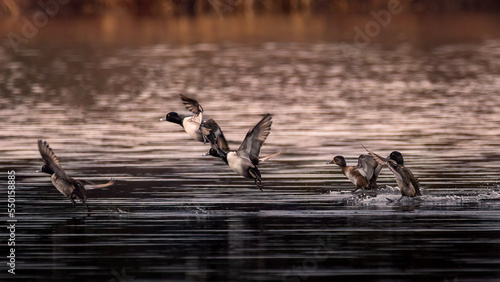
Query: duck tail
(90, 186)
(263, 159)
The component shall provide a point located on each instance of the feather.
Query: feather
(251, 145)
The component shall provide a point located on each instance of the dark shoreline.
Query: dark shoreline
(196, 8)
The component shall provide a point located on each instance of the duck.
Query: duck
(192, 125)
(407, 182)
(70, 187)
(245, 160)
(211, 132)
(364, 175)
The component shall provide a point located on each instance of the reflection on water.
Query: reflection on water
(176, 215)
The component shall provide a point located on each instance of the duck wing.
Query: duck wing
(50, 159)
(381, 160)
(193, 106)
(211, 131)
(386, 162)
(400, 172)
(209, 135)
(405, 176)
(250, 147)
(414, 181)
(366, 166)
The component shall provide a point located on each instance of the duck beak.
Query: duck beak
(332, 162)
(38, 171)
(163, 119)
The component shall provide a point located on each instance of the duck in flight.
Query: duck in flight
(245, 160)
(68, 186)
(363, 175)
(407, 182)
(193, 124)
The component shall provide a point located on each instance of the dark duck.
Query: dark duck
(363, 175)
(192, 125)
(68, 186)
(245, 160)
(407, 182)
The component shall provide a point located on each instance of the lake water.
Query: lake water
(176, 215)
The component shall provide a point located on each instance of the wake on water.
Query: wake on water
(391, 195)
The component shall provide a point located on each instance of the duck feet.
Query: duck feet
(87, 206)
(72, 199)
(258, 182)
(255, 173)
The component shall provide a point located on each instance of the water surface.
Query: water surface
(176, 215)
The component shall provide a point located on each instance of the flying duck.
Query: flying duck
(193, 124)
(363, 175)
(407, 182)
(68, 186)
(245, 160)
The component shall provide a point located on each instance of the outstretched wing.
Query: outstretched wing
(50, 159)
(250, 147)
(386, 162)
(193, 106)
(381, 160)
(366, 166)
(211, 131)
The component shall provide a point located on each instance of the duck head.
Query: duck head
(173, 117)
(338, 160)
(218, 153)
(398, 157)
(212, 152)
(46, 169)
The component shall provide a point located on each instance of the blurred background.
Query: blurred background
(156, 21)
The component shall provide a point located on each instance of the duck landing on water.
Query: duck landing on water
(71, 188)
(364, 175)
(407, 182)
